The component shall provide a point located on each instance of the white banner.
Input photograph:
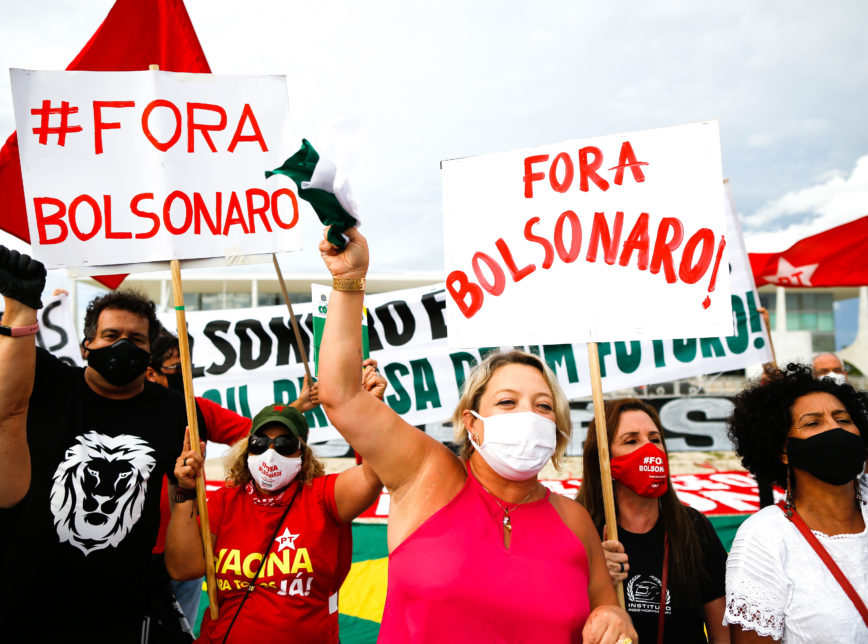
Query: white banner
(588, 240)
(57, 329)
(132, 167)
(246, 359)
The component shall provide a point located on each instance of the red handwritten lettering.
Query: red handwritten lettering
(145, 214)
(200, 212)
(275, 211)
(234, 216)
(146, 124)
(109, 233)
(55, 219)
(637, 241)
(99, 125)
(495, 288)
(97, 216)
(588, 169)
(252, 210)
(600, 234)
(663, 247)
(568, 256)
(627, 159)
(204, 128)
(549, 258)
(562, 186)
(689, 272)
(517, 274)
(465, 289)
(530, 176)
(247, 115)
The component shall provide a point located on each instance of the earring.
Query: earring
(789, 505)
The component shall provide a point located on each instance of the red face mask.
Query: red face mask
(643, 470)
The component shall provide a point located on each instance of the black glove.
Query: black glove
(21, 277)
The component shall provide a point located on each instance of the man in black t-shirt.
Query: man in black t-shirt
(74, 551)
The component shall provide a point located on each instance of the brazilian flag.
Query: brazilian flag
(363, 595)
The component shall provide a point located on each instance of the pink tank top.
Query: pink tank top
(453, 580)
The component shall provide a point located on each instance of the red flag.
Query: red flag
(834, 257)
(134, 35)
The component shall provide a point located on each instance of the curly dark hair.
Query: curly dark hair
(161, 348)
(128, 300)
(762, 416)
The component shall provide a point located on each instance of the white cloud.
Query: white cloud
(831, 202)
(424, 83)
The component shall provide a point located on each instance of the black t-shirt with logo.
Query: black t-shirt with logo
(76, 549)
(684, 622)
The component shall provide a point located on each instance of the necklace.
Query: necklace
(507, 524)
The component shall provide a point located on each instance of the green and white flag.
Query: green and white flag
(322, 185)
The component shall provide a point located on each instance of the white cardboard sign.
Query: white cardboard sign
(619, 237)
(247, 358)
(130, 167)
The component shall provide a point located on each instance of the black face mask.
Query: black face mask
(835, 456)
(175, 381)
(119, 363)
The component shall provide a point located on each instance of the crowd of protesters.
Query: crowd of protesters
(480, 550)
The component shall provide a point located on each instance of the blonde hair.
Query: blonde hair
(476, 383)
(237, 472)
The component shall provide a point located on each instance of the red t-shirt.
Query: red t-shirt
(296, 593)
(224, 425)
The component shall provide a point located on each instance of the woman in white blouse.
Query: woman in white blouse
(809, 436)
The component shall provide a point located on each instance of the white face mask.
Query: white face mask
(271, 471)
(837, 378)
(518, 444)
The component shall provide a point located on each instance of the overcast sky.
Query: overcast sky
(418, 83)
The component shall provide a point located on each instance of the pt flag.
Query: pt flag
(134, 35)
(834, 257)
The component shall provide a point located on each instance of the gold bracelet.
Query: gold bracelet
(348, 283)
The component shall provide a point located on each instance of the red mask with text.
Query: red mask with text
(644, 470)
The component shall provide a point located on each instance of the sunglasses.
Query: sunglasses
(283, 445)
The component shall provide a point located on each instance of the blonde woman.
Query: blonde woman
(480, 551)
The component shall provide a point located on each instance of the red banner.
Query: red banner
(834, 257)
(134, 35)
(715, 493)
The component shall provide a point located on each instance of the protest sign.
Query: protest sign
(57, 330)
(320, 295)
(132, 167)
(586, 240)
(245, 359)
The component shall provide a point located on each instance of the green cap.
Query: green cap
(289, 417)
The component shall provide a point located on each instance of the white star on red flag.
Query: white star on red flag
(789, 275)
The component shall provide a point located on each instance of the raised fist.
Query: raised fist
(21, 277)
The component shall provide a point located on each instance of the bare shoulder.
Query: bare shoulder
(439, 475)
(574, 515)
(439, 479)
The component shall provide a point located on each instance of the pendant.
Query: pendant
(506, 524)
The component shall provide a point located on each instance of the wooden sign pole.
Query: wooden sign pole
(292, 320)
(774, 362)
(603, 452)
(193, 426)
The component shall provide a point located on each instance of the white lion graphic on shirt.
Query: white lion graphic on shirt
(99, 489)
